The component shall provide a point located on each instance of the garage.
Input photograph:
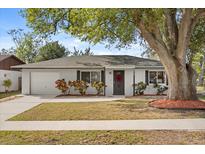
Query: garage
(44, 83)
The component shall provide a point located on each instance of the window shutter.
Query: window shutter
(103, 76)
(146, 77)
(78, 75)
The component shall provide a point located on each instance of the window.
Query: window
(160, 78)
(152, 77)
(85, 76)
(156, 77)
(90, 77)
(95, 76)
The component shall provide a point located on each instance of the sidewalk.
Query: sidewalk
(158, 124)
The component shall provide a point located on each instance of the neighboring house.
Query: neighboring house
(6, 61)
(119, 72)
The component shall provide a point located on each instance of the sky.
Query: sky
(11, 19)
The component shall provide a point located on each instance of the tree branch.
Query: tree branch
(187, 26)
(155, 43)
(184, 35)
(171, 29)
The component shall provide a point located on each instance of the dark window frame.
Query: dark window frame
(156, 80)
(85, 72)
(90, 75)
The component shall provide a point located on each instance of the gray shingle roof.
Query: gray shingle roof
(95, 61)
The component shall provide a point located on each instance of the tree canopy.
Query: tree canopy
(26, 45)
(171, 33)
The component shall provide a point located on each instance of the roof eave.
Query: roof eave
(147, 67)
(91, 67)
(55, 67)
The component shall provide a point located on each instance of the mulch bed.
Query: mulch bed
(86, 95)
(178, 104)
(152, 95)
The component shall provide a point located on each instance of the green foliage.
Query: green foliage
(93, 25)
(26, 44)
(27, 49)
(197, 46)
(62, 86)
(140, 88)
(197, 59)
(7, 84)
(120, 27)
(99, 86)
(51, 50)
(198, 38)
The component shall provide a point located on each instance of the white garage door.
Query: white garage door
(44, 82)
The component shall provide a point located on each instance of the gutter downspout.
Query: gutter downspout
(134, 82)
(105, 82)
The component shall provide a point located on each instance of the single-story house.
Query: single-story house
(6, 61)
(118, 72)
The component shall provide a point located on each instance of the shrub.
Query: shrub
(70, 84)
(62, 86)
(80, 85)
(99, 86)
(7, 84)
(160, 89)
(140, 88)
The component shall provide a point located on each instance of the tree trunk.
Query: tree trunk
(182, 82)
(201, 75)
(181, 76)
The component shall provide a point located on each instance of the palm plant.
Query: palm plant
(7, 84)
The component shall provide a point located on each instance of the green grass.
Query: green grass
(12, 93)
(128, 109)
(201, 97)
(102, 137)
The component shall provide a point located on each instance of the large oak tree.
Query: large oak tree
(166, 31)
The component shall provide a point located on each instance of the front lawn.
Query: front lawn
(12, 93)
(102, 137)
(128, 109)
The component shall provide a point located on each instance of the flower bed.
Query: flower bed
(178, 104)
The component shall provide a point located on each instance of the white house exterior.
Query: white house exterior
(6, 61)
(14, 76)
(119, 73)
